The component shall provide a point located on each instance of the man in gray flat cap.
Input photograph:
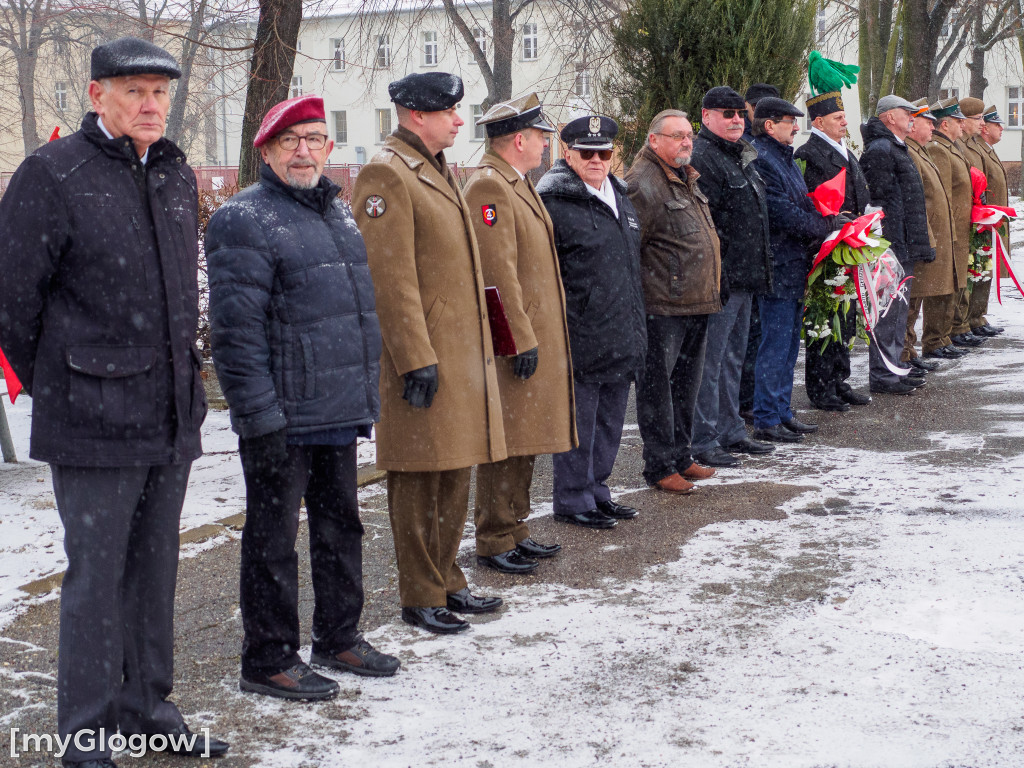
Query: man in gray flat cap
(98, 319)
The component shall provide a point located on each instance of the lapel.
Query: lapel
(425, 171)
(522, 187)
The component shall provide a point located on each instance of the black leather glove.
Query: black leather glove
(421, 386)
(837, 221)
(266, 451)
(525, 364)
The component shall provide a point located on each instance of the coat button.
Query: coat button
(111, 367)
(489, 361)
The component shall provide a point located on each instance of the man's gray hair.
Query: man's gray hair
(659, 119)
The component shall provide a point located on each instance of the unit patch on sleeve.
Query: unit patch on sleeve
(375, 206)
(490, 214)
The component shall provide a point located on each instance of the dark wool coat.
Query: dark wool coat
(295, 336)
(796, 227)
(736, 197)
(896, 186)
(99, 300)
(824, 162)
(681, 266)
(599, 257)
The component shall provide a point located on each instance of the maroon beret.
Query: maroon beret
(301, 109)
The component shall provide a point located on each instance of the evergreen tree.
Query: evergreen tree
(670, 52)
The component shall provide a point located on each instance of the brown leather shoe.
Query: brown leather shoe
(696, 472)
(675, 483)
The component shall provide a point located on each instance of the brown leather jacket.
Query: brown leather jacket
(680, 256)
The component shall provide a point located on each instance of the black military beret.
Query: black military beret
(591, 132)
(427, 91)
(132, 56)
(723, 97)
(758, 91)
(770, 107)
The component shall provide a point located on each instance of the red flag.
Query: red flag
(13, 385)
(829, 196)
(56, 134)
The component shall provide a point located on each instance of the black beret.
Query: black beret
(758, 91)
(132, 56)
(770, 107)
(427, 91)
(723, 97)
(591, 132)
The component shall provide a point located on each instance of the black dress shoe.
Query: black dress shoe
(984, 330)
(532, 548)
(184, 742)
(298, 682)
(591, 519)
(616, 511)
(361, 659)
(438, 620)
(943, 353)
(831, 403)
(716, 457)
(923, 365)
(853, 397)
(778, 434)
(465, 601)
(512, 562)
(913, 381)
(995, 330)
(746, 445)
(894, 388)
(965, 340)
(795, 425)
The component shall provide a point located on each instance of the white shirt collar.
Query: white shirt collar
(839, 147)
(606, 194)
(109, 135)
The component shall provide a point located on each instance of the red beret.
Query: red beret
(301, 109)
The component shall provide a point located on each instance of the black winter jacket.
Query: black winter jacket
(895, 185)
(739, 207)
(824, 162)
(295, 336)
(599, 257)
(99, 300)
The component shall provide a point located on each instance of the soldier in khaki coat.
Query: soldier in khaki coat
(991, 133)
(931, 290)
(440, 408)
(517, 250)
(954, 171)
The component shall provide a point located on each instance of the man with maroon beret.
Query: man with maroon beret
(297, 347)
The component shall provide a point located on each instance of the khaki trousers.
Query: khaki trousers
(428, 514)
(934, 333)
(502, 504)
(961, 307)
(979, 304)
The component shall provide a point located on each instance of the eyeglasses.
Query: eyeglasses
(588, 154)
(786, 121)
(676, 136)
(729, 114)
(313, 141)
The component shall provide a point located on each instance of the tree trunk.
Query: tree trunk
(273, 60)
(189, 50)
(504, 49)
(976, 66)
(26, 62)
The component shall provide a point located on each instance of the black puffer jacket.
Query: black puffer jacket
(599, 257)
(738, 203)
(99, 301)
(295, 335)
(896, 186)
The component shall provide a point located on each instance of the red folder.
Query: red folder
(501, 331)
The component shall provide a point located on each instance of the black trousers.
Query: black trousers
(825, 373)
(116, 659)
(326, 476)
(667, 395)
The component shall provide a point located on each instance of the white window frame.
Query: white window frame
(383, 57)
(60, 94)
(383, 126)
(296, 87)
(340, 136)
(947, 93)
(480, 35)
(430, 48)
(583, 86)
(1015, 107)
(476, 111)
(338, 54)
(531, 40)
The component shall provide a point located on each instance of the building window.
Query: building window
(582, 85)
(949, 93)
(383, 51)
(1015, 106)
(430, 49)
(338, 55)
(340, 127)
(296, 86)
(298, 46)
(822, 24)
(383, 124)
(479, 131)
(480, 35)
(61, 96)
(529, 42)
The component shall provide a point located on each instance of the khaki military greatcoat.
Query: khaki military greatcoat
(954, 171)
(517, 251)
(429, 287)
(933, 278)
(998, 192)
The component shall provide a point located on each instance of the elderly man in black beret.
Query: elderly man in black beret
(736, 197)
(98, 318)
(440, 407)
